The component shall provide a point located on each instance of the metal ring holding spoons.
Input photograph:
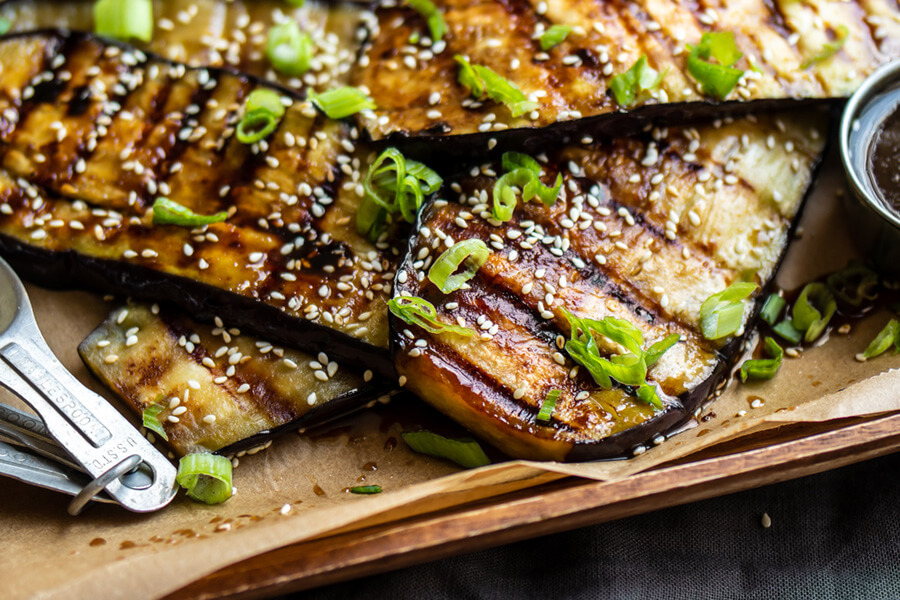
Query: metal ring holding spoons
(99, 484)
(84, 424)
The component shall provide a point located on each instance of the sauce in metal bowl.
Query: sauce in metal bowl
(883, 156)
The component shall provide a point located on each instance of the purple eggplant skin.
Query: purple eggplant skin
(495, 385)
(277, 256)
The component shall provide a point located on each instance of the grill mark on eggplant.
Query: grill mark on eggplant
(576, 90)
(155, 366)
(603, 422)
(327, 237)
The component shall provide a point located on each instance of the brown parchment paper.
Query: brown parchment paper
(294, 490)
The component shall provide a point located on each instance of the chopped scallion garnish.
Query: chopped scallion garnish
(629, 368)
(124, 19)
(341, 103)
(433, 17)
(829, 49)
(472, 252)
(548, 406)
(855, 284)
(763, 368)
(772, 309)
(813, 310)
(366, 489)
(716, 78)
(722, 314)
(5, 26)
(420, 312)
(206, 477)
(296, 3)
(289, 49)
(554, 35)
(887, 337)
(167, 212)
(635, 83)
(522, 173)
(464, 451)
(150, 417)
(262, 114)
(482, 81)
(787, 331)
(393, 184)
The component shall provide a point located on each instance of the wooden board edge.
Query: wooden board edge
(553, 508)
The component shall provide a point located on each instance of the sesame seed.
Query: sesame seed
(209, 419)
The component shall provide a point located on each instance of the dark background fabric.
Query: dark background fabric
(835, 535)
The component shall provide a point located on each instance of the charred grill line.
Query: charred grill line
(326, 296)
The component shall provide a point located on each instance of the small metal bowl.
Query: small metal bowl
(874, 224)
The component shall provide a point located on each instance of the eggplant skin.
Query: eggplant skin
(647, 228)
(416, 89)
(91, 133)
(234, 391)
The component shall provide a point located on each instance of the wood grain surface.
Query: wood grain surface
(551, 508)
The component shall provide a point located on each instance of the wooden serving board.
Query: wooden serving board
(554, 507)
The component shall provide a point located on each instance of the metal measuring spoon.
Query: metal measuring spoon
(99, 439)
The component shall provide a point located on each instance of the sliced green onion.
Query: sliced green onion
(420, 312)
(150, 417)
(433, 17)
(813, 310)
(772, 308)
(829, 49)
(468, 77)
(167, 212)
(548, 406)
(463, 451)
(505, 198)
(629, 368)
(655, 351)
(523, 173)
(716, 80)
(341, 103)
(887, 337)
(296, 3)
(5, 26)
(206, 477)
(124, 19)
(393, 184)
(554, 36)
(472, 252)
(262, 114)
(289, 49)
(483, 81)
(722, 314)
(855, 284)
(787, 331)
(649, 394)
(763, 368)
(635, 83)
(366, 489)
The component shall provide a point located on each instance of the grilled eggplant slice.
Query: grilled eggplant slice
(418, 94)
(221, 33)
(646, 230)
(92, 133)
(217, 387)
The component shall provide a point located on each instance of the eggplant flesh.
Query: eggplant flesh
(91, 133)
(416, 87)
(220, 33)
(646, 229)
(217, 388)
